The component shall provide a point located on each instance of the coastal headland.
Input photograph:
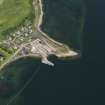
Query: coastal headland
(28, 39)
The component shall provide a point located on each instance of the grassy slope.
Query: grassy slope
(12, 13)
(63, 20)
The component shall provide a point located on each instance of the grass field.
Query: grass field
(1, 1)
(12, 13)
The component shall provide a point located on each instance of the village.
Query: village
(21, 43)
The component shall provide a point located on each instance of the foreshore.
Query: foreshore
(44, 34)
(61, 55)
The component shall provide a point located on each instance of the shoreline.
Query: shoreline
(60, 56)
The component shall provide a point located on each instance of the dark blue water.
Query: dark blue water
(80, 81)
(76, 82)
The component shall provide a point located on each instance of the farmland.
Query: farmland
(12, 14)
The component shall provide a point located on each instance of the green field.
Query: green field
(13, 13)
